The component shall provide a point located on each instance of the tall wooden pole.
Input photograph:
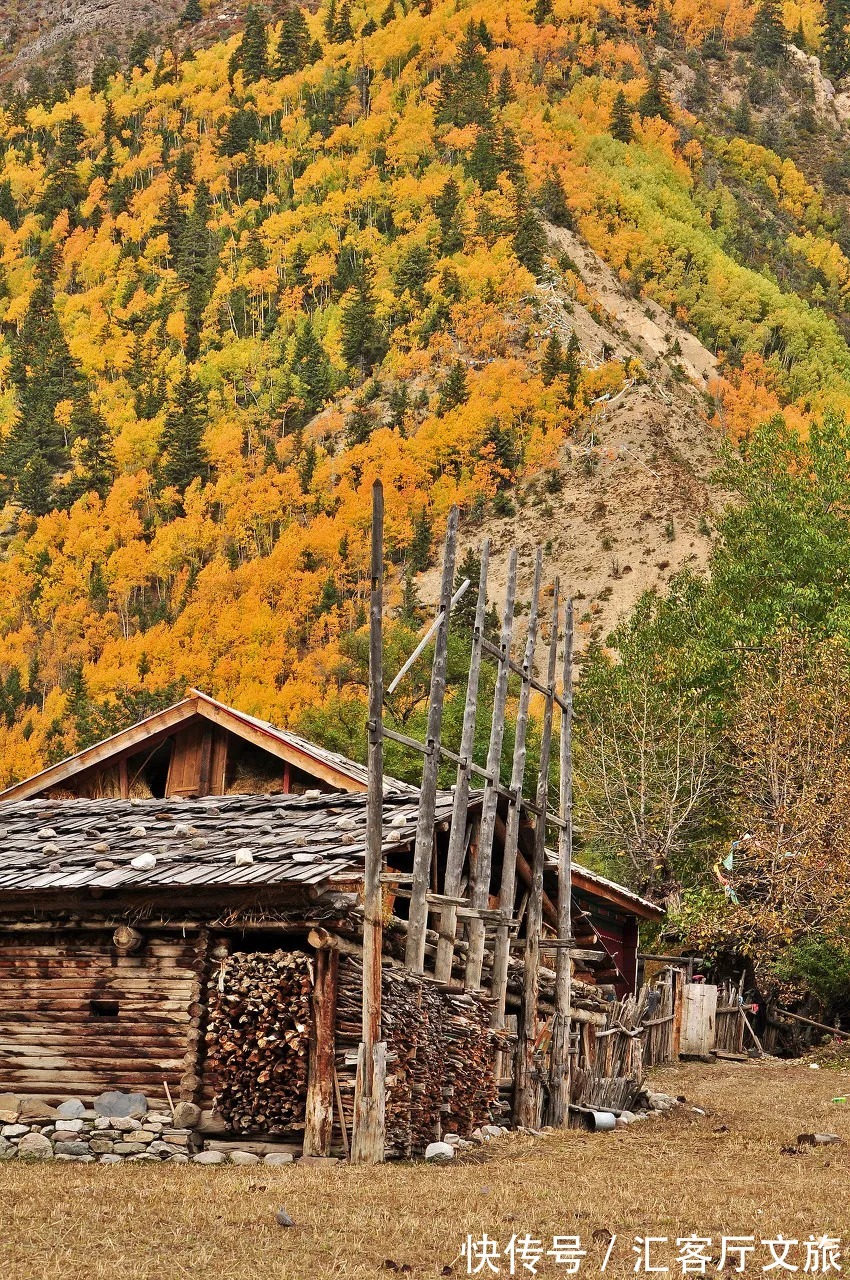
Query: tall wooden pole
(507, 891)
(424, 847)
(460, 806)
(367, 1139)
(527, 1090)
(559, 1058)
(481, 880)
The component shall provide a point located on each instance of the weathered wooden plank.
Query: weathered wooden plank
(318, 1129)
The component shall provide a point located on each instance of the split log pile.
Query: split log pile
(258, 1039)
(440, 1055)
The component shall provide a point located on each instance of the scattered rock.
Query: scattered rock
(110, 1159)
(186, 1116)
(14, 1130)
(209, 1157)
(178, 1159)
(439, 1151)
(244, 1157)
(34, 1146)
(121, 1105)
(278, 1157)
(71, 1110)
(104, 865)
(807, 1139)
(124, 1124)
(243, 857)
(626, 1117)
(144, 862)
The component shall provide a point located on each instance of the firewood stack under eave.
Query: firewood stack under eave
(440, 1055)
(258, 1038)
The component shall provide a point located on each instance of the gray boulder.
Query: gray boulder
(118, 1104)
(73, 1109)
(34, 1146)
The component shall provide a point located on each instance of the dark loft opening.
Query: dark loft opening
(103, 1008)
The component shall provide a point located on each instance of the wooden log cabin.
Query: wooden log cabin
(181, 905)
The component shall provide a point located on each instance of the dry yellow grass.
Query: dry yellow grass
(719, 1174)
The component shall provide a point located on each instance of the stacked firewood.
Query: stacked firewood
(258, 1038)
(440, 1057)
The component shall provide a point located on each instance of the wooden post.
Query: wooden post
(559, 1055)
(457, 838)
(318, 1129)
(507, 891)
(481, 880)
(367, 1139)
(423, 849)
(527, 1086)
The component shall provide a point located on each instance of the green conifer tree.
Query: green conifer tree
(530, 240)
(447, 209)
(572, 369)
(329, 22)
(191, 14)
(343, 31)
(834, 38)
(621, 118)
(312, 368)
(505, 92)
(769, 34)
(293, 46)
(552, 364)
(465, 89)
(63, 187)
(455, 389)
(254, 50)
(92, 448)
(363, 339)
(43, 373)
(654, 100)
(183, 457)
(553, 200)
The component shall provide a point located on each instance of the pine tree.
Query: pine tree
(454, 391)
(63, 188)
(43, 373)
(530, 241)
(505, 92)
(342, 31)
(542, 11)
(742, 117)
(553, 200)
(465, 90)
(447, 208)
(293, 46)
(621, 119)
(363, 341)
(330, 20)
(92, 449)
(191, 14)
(571, 369)
(253, 53)
(181, 445)
(389, 14)
(552, 363)
(665, 33)
(139, 51)
(312, 368)
(420, 544)
(836, 44)
(654, 101)
(769, 34)
(66, 75)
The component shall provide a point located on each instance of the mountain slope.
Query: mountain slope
(238, 284)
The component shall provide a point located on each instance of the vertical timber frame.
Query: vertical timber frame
(559, 1056)
(527, 1102)
(369, 1127)
(460, 805)
(507, 891)
(481, 885)
(423, 852)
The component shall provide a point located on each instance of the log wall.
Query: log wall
(78, 1018)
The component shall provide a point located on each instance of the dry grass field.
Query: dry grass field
(719, 1174)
